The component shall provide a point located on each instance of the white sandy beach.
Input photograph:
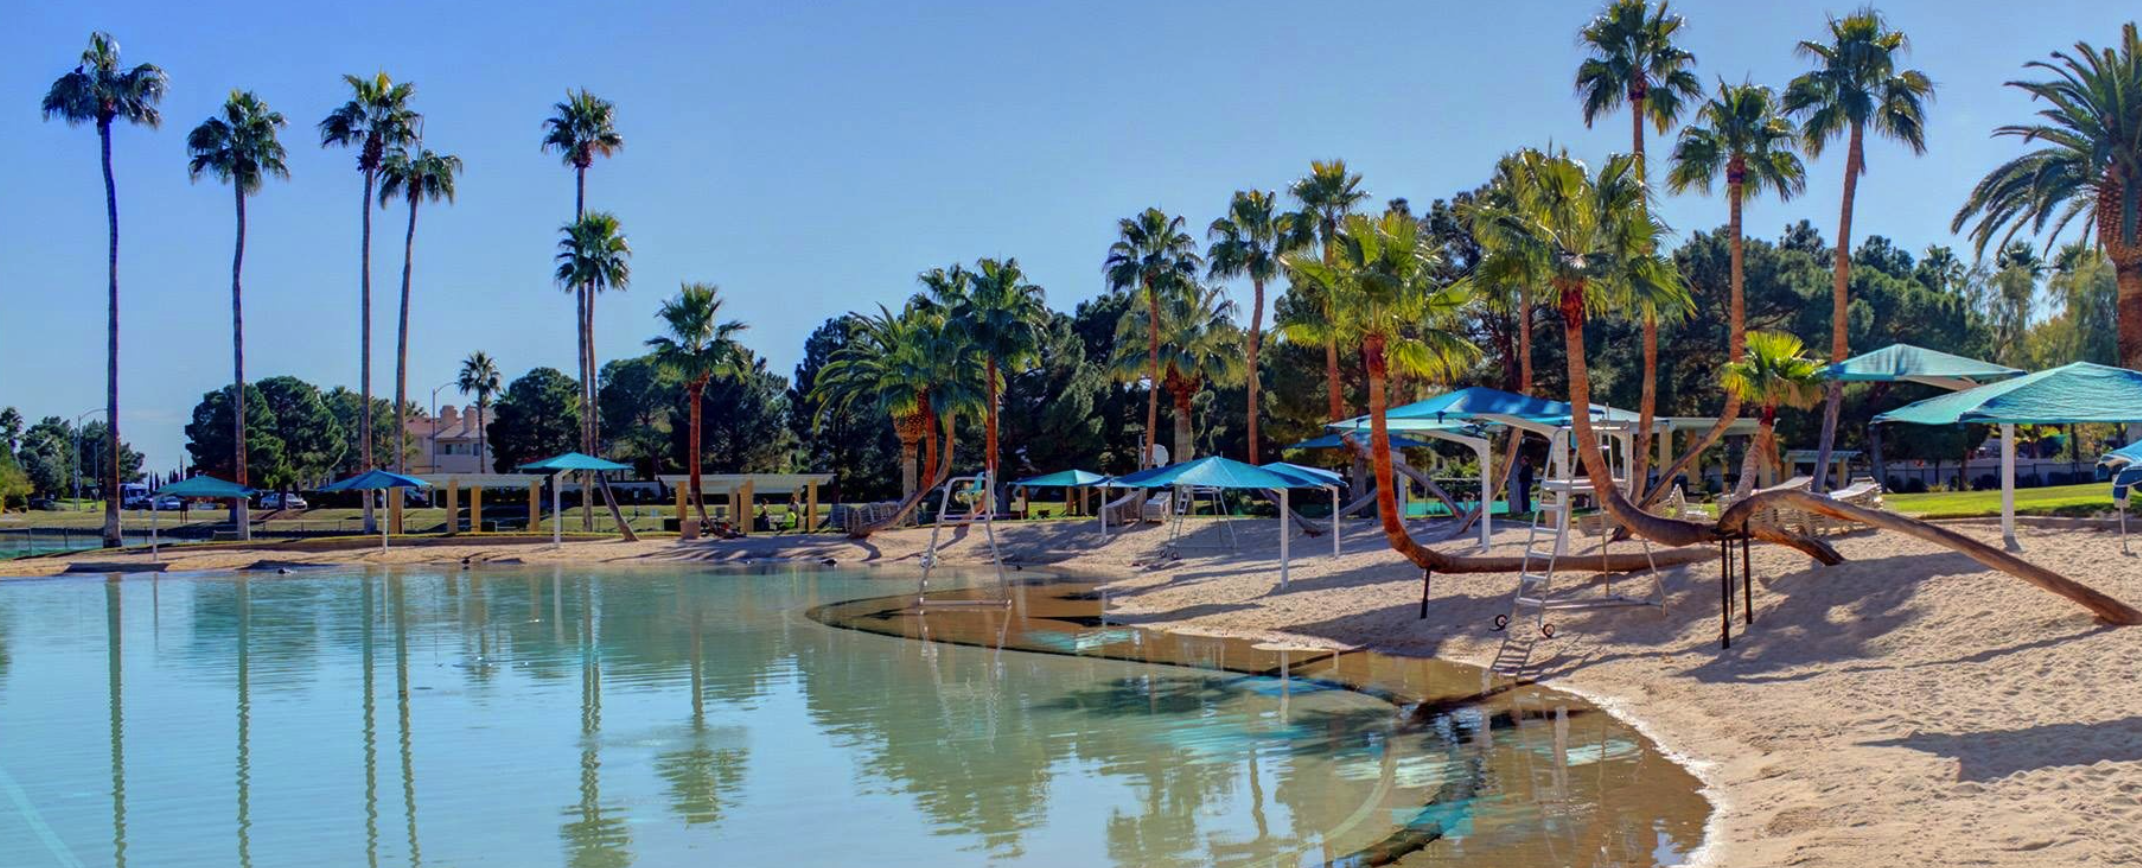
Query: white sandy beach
(1906, 705)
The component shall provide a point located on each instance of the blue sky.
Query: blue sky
(811, 158)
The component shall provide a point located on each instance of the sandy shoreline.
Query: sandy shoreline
(1907, 703)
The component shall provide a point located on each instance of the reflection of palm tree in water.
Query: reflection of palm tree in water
(112, 652)
(245, 721)
(371, 735)
(593, 839)
(700, 776)
(401, 701)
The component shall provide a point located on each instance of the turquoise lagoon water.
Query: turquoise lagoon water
(677, 716)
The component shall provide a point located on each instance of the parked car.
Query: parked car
(170, 503)
(278, 500)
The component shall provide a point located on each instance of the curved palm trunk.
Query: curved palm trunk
(940, 473)
(1839, 287)
(1736, 338)
(364, 337)
(111, 343)
(1256, 343)
(240, 522)
(401, 350)
(1759, 451)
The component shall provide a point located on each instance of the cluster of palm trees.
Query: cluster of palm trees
(944, 354)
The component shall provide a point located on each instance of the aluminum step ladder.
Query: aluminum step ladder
(1535, 584)
(982, 512)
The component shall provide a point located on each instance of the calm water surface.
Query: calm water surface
(687, 716)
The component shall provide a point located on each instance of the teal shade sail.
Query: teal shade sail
(1332, 441)
(1308, 475)
(574, 461)
(1212, 471)
(2079, 392)
(1062, 479)
(1904, 362)
(374, 480)
(204, 486)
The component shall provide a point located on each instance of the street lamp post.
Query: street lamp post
(78, 454)
(432, 494)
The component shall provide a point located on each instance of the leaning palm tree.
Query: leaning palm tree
(1776, 373)
(480, 375)
(593, 257)
(581, 128)
(1855, 83)
(1248, 242)
(238, 146)
(1634, 60)
(99, 91)
(375, 120)
(1154, 257)
(1199, 343)
(423, 176)
(2090, 166)
(1001, 316)
(1386, 301)
(1739, 135)
(697, 347)
(1326, 195)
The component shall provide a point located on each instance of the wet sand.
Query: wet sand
(1908, 704)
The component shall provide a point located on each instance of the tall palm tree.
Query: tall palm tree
(877, 367)
(100, 91)
(238, 146)
(1856, 82)
(480, 375)
(375, 120)
(1634, 60)
(1326, 195)
(1775, 373)
(593, 257)
(581, 128)
(1592, 237)
(1001, 316)
(1386, 301)
(422, 176)
(1200, 344)
(697, 347)
(1248, 242)
(2090, 166)
(1739, 135)
(1154, 257)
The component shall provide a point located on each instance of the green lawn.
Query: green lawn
(2071, 500)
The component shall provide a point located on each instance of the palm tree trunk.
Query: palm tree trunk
(401, 351)
(1152, 373)
(1256, 343)
(1840, 283)
(483, 444)
(364, 337)
(989, 457)
(1182, 389)
(691, 460)
(929, 441)
(1647, 406)
(1759, 448)
(1524, 387)
(240, 522)
(1736, 338)
(2126, 259)
(111, 343)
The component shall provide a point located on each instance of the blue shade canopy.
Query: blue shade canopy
(1906, 362)
(1332, 441)
(204, 486)
(574, 461)
(1460, 407)
(1308, 475)
(374, 480)
(2079, 392)
(1212, 471)
(1062, 479)
(2129, 455)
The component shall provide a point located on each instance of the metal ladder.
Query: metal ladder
(1535, 585)
(985, 515)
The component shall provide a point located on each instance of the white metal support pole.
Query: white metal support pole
(1487, 494)
(384, 526)
(1283, 513)
(2008, 488)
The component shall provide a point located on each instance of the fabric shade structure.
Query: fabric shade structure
(559, 465)
(2125, 464)
(1330, 480)
(377, 480)
(198, 486)
(1336, 441)
(1062, 479)
(2078, 392)
(1214, 471)
(1907, 363)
